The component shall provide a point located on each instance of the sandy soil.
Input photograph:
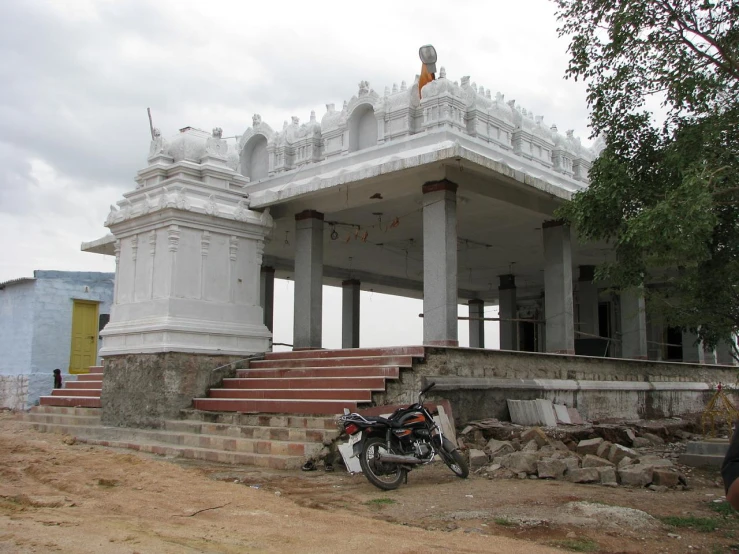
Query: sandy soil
(60, 497)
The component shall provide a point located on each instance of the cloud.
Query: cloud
(78, 76)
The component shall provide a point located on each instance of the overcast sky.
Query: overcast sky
(76, 77)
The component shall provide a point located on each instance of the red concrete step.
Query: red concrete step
(371, 383)
(360, 395)
(73, 385)
(327, 407)
(97, 377)
(391, 372)
(401, 361)
(76, 392)
(416, 351)
(70, 401)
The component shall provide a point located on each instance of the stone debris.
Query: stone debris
(575, 454)
(532, 412)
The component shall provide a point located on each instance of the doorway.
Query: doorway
(84, 348)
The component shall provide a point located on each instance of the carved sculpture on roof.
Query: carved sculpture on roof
(215, 145)
(363, 88)
(158, 144)
(256, 120)
(258, 128)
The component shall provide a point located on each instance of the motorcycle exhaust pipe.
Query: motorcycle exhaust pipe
(395, 459)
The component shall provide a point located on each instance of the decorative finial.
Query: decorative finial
(553, 127)
(488, 94)
(256, 120)
(312, 116)
(403, 86)
(295, 120)
(442, 73)
(217, 132)
(387, 91)
(330, 108)
(395, 88)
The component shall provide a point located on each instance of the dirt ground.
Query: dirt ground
(61, 497)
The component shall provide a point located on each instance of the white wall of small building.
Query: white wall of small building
(36, 330)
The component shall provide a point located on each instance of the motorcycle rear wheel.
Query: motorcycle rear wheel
(385, 476)
(453, 459)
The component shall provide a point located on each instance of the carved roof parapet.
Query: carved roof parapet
(258, 128)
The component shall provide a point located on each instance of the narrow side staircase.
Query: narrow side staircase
(82, 393)
(311, 382)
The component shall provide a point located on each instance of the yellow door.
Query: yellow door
(84, 336)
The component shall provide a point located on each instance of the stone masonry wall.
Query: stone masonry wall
(16, 335)
(142, 390)
(478, 382)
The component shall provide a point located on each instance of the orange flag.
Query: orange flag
(426, 78)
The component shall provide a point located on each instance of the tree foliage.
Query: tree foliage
(665, 190)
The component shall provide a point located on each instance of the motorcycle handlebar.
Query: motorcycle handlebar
(428, 388)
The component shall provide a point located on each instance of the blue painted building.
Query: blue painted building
(51, 320)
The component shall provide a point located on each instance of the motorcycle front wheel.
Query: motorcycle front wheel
(453, 459)
(385, 476)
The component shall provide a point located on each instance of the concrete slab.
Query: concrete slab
(562, 414)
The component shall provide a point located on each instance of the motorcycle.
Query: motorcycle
(388, 448)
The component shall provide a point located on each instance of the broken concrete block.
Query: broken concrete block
(550, 468)
(530, 446)
(658, 488)
(546, 412)
(665, 477)
(499, 448)
(595, 461)
(520, 461)
(636, 476)
(640, 442)
(535, 434)
(478, 458)
(492, 467)
(575, 418)
(572, 463)
(607, 475)
(626, 462)
(618, 453)
(559, 445)
(630, 435)
(604, 449)
(654, 460)
(654, 439)
(563, 416)
(589, 446)
(522, 475)
(585, 475)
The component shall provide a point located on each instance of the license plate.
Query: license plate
(354, 439)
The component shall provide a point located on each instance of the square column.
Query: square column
(558, 306)
(350, 314)
(477, 323)
(440, 263)
(692, 348)
(267, 295)
(507, 313)
(307, 329)
(588, 302)
(723, 354)
(633, 324)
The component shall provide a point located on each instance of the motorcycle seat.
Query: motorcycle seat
(384, 421)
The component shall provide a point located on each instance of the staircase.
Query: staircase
(82, 393)
(312, 382)
(275, 442)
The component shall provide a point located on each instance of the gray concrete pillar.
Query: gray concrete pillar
(350, 314)
(307, 329)
(723, 354)
(587, 293)
(709, 355)
(633, 324)
(440, 263)
(477, 323)
(692, 348)
(507, 313)
(558, 306)
(267, 294)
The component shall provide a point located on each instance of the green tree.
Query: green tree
(665, 190)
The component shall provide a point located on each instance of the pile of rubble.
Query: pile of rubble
(531, 453)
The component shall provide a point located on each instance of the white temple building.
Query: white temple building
(450, 197)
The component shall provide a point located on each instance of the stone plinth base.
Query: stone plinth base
(142, 390)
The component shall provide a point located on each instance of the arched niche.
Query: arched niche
(254, 158)
(362, 128)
